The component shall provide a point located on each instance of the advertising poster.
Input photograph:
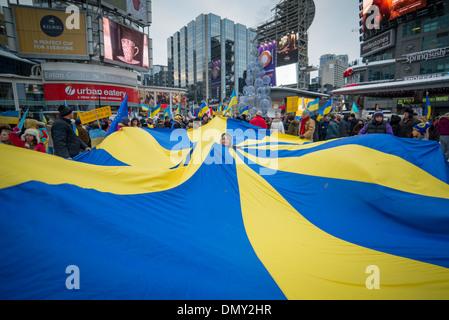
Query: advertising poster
(125, 46)
(44, 33)
(267, 58)
(138, 9)
(287, 50)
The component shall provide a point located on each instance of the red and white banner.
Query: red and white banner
(88, 92)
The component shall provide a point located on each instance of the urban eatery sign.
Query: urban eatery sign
(89, 92)
(425, 55)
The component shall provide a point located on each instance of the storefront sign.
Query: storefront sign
(381, 42)
(89, 92)
(65, 75)
(425, 55)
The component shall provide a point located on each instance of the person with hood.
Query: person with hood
(65, 142)
(343, 128)
(395, 123)
(293, 127)
(259, 121)
(30, 140)
(307, 126)
(443, 129)
(377, 125)
(408, 122)
(277, 124)
(333, 128)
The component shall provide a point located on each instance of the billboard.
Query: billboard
(125, 46)
(267, 58)
(287, 75)
(136, 8)
(389, 9)
(215, 70)
(287, 50)
(45, 33)
(89, 92)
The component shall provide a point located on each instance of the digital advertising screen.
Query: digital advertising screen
(46, 33)
(287, 50)
(125, 46)
(390, 9)
(287, 75)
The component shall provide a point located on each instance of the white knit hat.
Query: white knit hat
(32, 132)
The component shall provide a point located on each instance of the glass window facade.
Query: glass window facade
(435, 66)
(435, 41)
(411, 28)
(436, 23)
(381, 73)
(209, 58)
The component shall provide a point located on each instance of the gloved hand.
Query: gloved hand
(302, 137)
(16, 129)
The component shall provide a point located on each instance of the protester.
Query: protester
(97, 135)
(307, 126)
(66, 143)
(178, 124)
(344, 127)
(50, 148)
(316, 133)
(167, 122)
(293, 127)
(395, 123)
(420, 131)
(160, 124)
(134, 123)
(324, 125)
(5, 131)
(226, 140)
(352, 123)
(408, 122)
(359, 126)
(82, 132)
(259, 121)
(443, 129)
(29, 140)
(377, 125)
(124, 123)
(332, 130)
(204, 119)
(277, 124)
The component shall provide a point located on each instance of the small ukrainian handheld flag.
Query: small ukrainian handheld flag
(156, 110)
(313, 105)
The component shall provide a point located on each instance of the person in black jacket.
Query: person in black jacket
(66, 143)
(395, 123)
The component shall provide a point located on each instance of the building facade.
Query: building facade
(86, 54)
(209, 57)
(405, 58)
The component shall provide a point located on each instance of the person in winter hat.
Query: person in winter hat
(377, 125)
(307, 126)
(277, 124)
(420, 130)
(29, 140)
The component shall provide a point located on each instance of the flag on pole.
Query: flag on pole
(22, 121)
(122, 112)
(355, 109)
(202, 109)
(428, 107)
(245, 110)
(314, 105)
(324, 110)
(168, 113)
(156, 111)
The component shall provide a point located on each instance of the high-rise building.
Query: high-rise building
(405, 51)
(209, 58)
(332, 74)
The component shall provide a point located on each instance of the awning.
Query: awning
(282, 93)
(10, 55)
(398, 88)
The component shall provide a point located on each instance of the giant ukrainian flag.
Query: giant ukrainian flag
(127, 216)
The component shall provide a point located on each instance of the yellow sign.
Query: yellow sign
(45, 32)
(94, 115)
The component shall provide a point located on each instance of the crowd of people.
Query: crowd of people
(67, 137)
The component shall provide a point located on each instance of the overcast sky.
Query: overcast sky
(331, 30)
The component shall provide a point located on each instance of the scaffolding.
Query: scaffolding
(291, 16)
